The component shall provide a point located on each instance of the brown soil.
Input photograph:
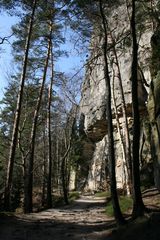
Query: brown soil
(85, 219)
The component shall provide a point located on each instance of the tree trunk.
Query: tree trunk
(49, 178)
(65, 160)
(29, 165)
(138, 206)
(127, 146)
(64, 173)
(117, 212)
(44, 169)
(11, 159)
(125, 179)
(57, 165)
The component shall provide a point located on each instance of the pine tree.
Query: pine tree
(17, 114)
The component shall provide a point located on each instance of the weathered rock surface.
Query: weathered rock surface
(93, 101)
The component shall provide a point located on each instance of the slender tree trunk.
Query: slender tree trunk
(11, 159)
(49, 180)
(117, 212)
(29, 168)
(125, 169)
(65, 160)
(44, 169)
(138, 206)
(57, 178)
(64, 173)
(127, 146)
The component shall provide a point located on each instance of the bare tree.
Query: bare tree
(68, 140)
(111, 154)
(125, 145)
(125, 179)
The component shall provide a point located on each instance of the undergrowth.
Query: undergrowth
(102, 194)
(125, 205)
(73, 196)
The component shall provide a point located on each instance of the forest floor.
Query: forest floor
(84, 219)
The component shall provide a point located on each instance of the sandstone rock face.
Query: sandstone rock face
(93, 100)
(154, 116)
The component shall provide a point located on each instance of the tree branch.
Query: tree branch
(2, 40)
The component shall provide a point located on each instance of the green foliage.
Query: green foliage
(102, 194)
(125, 205)
(73, 196)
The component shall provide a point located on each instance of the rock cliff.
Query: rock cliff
(93, 100)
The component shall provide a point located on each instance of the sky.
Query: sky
(65, 64)
(5, 50)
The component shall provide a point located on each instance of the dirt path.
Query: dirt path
(83, 220)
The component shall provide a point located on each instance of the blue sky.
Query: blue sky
(68, 65)
(5, 51)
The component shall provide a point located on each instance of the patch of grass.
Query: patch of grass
(73, 195)
(125, 204)
(102, 194)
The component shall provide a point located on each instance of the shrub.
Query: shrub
(73, 195)
(125, 205)
(102, 194)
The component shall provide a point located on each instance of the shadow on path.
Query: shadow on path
(85, 219)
